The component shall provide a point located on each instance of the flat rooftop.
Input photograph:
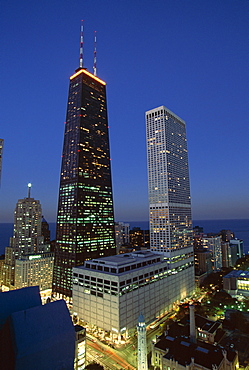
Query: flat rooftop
(125, 259)
(237, 274)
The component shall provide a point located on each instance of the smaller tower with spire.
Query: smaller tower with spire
(141, 344)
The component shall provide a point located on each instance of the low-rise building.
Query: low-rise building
(180, 353)
(236, 282)
(111, 292)
(207, 329)
(35, 269)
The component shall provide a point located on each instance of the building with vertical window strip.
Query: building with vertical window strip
(85, 220)
(111, 292)
(27, 239)
(169, 188)
(168, 182)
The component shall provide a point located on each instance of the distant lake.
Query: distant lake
(239, 227)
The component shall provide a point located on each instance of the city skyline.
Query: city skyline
(191, 56)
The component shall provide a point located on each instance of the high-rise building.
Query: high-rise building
(168, 182)
(33, 270)
(139, 238)
(27, 236)
(121, 234)
(111, 292)
(85, 220)
(213, 244)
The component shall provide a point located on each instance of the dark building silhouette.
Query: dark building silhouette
(226, 235)
(45, 231)
(139, 238)
(32, 335)
(85, 220)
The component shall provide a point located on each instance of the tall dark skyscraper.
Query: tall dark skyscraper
(85, 220)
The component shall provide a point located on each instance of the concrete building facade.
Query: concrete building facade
(27, 239)
(111, 292)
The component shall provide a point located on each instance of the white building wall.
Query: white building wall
(168, 181)
(152, 290)
(34, 270)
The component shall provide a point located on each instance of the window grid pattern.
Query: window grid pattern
(168, 179)
(85, 220)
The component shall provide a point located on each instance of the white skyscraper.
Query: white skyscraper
(168, 182)
(110, 292)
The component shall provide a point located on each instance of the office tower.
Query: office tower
(85, 220)
(213, 244)
(35, 269)
(121, 234)
(27, 236)
(168, 182)
(139, 239)
(1, 157)
(148, 281)
(240, 246)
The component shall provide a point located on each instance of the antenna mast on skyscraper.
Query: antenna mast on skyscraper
(95, 55)
(81, 43)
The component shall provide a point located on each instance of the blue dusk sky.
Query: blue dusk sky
(190, 55)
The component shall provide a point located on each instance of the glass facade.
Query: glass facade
(168, 179)
(85, 220)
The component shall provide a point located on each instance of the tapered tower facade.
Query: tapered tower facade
(85, 220)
